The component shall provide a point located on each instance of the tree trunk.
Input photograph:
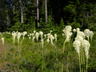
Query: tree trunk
(37, 13)
(87, 20)
(46, 18)
(7, 18)
(21, 11)
(13, 7)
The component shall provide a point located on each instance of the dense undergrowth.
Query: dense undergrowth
(28, 56)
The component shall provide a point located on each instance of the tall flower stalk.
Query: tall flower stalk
(91, 35)
(83, 46)
(37, 36)
(24, 33)
(77, 45)
(14, 36)
(18, 38)
(86, 46)
(87, 31)
(68, 34)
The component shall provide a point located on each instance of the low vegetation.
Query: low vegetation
(50, 52)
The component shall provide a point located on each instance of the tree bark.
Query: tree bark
(38, 13)
(87, 20)
(7, 19)
(46, 18)
(21, 11)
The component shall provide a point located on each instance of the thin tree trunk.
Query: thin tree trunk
(87, 20)
(38, 13)
(21, 11)
(13, 7)
(46, 18)
(7, 18)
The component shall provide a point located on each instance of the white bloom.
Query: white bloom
(41, 34)
(68, 36)
(86, 46)
(87, 33)
(48, 40)
(14, 35)
(42, 41)
(32, 34)
(34, 31)
(48, 35)
(77, 45)
(67, 33)
(29, 37)
(50, 31)
(63, 30)
(2, 39)
(80, 38)
(24, 33)
(74, 30)
(18, 36)
(52, 38)
(33, 38)
(45, 36)
(91, 34)
(62, 34)
(37, 36)
(55, 36)
(78, 29)
(80, 33)
(68, 28)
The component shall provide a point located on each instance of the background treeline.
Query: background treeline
(22, 14)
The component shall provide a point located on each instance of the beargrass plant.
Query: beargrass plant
(82, 48)
(14, 36)
(86, 46)
(45, 57)
(2, 39)
(67, 34)
(77, 45)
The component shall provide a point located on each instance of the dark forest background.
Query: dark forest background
(22, 14)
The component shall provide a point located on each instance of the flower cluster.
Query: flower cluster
(67, 33)
(81, 42)
(88, 33)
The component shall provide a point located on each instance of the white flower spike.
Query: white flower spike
(2, 39)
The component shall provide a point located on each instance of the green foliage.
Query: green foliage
(50, 22)
(46, 27)
(71, 8)
(61, 24)
(16, 27)
(74, 24)
(30, 26)
(59, 32)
